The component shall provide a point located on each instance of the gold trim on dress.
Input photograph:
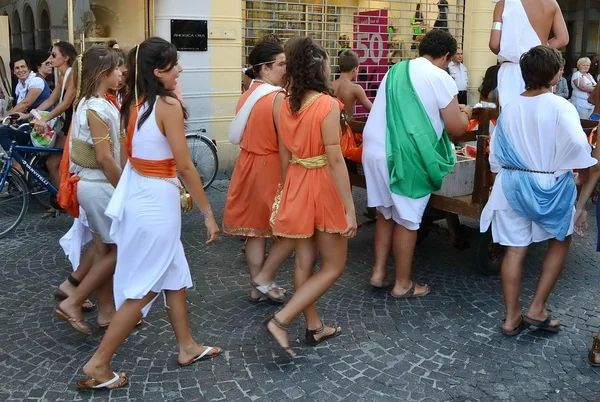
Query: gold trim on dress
(276, 203)
(246, 232)
(307, 236)
(314, 162)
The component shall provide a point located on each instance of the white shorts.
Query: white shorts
(509, 228)
(391, 213)
(93, 197)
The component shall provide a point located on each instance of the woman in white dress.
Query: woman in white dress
(583, 85)
(94, 155)
(79, 236)
(146, 212)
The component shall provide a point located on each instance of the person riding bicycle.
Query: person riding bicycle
(31, 91)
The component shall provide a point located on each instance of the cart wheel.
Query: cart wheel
(488, 255)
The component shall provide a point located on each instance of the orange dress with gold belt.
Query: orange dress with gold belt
(257, 172)
(309, 198)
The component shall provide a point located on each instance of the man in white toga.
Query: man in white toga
(537, 143)
(407, 151)
(518, 26)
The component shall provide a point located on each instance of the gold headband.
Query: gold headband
(135, 82)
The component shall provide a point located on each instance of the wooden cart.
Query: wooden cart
(487, 255)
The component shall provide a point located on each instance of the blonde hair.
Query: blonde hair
(583, 60)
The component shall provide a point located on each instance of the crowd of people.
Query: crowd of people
(126, 174)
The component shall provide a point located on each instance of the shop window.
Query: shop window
(381, 32)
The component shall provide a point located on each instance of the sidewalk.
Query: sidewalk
(443, 347)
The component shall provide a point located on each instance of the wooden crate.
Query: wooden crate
(461, 179)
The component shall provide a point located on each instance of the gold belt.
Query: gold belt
(315, 162)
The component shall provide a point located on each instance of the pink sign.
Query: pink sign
(371, 45)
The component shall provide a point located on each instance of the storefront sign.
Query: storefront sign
(371, 45)
(190, 35)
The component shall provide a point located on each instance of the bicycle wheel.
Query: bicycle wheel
(39, 193)
(204, 156)
(14, 201)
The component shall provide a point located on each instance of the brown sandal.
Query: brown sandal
(77, 323)
(92, 383)
(594, 351)
(282, 326)
(310, 335)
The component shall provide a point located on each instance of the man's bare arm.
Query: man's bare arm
(496, 34)
(559, 28)
(361, 96)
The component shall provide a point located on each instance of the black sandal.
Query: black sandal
(310, 335)
(279, 325)
(60, 296)
(594, 351)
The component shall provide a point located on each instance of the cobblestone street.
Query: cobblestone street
(443, 347)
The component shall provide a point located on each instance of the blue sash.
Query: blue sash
(552, 208)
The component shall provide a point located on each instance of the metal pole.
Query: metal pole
(70, 25)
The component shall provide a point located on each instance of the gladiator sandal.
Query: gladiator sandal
(282, 326)
(310, 335)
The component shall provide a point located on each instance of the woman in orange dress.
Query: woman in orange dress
(315, 209)
(257, 172)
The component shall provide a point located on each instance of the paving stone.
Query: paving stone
(443, 347)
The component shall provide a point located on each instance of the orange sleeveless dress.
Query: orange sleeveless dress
(309, 198)
(257, 173)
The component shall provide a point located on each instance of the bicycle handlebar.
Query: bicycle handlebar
(11, 121)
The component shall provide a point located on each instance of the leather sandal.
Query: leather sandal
(77, 323)
(288, 350)
(594, 351)
(59, 295)
(310, 335)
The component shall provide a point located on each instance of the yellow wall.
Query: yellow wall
(225, 42)
(478, 57)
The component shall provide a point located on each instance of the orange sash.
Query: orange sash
(164, 168)
(350, 149)
(67, 191)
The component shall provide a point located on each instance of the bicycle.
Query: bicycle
(14, 190)
(204, 155)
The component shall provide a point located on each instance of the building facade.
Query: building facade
(381, 32)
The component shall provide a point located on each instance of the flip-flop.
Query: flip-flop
(258, 299)
(410, 293)
(203, 356)
(522, 326)
(74, 322)
(87, 305)
(92, 383)
(543, 325)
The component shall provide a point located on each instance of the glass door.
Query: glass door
(105, 21)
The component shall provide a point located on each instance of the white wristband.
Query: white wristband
(497, 26)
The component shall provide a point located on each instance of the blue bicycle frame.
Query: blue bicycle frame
(13, 152)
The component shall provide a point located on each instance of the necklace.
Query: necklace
(264, 81)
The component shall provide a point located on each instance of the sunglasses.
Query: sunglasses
(53, 55)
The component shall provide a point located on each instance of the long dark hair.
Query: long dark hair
(67, 50)
(305, 65)
(490, 81)
(264, 54)
(153, 53)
